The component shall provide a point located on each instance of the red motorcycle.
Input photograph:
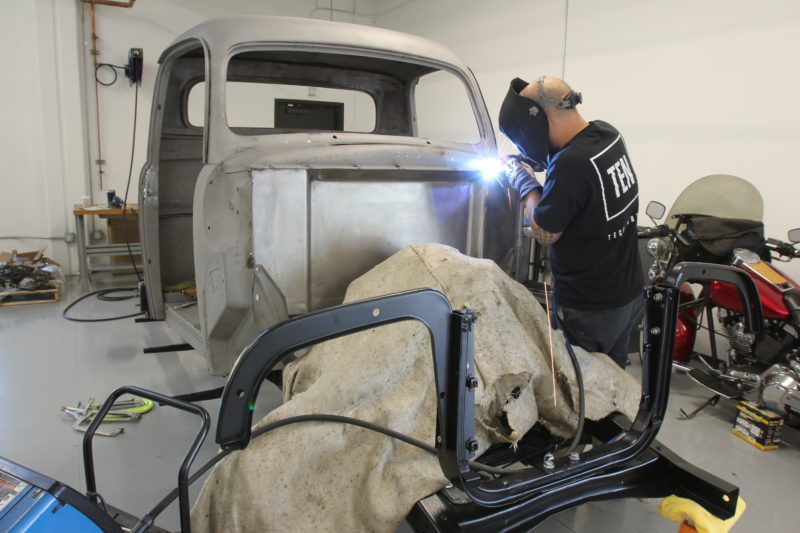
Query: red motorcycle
(718, 219)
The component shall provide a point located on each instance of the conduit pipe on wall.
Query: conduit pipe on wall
(95, 53)
(110, 3)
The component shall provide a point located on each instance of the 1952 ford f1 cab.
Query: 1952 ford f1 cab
(289, 156)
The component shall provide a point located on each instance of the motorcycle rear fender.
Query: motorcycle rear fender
(685, 329)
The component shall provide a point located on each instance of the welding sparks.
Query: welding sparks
(491, 168)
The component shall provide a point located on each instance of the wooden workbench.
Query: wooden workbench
(86, 250)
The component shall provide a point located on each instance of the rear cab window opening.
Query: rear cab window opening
(290, 91)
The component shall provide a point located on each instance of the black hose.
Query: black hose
(103, 297)
(113, 70)
(128, 185)
(101, 294)
(579, 378)
(581, 397)
(173, 495)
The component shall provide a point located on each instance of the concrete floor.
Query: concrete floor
(48, 362)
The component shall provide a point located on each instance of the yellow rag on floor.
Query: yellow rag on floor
(680, 509)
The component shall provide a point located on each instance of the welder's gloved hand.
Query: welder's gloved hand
(520, 176)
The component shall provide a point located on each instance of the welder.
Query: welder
(586, 211)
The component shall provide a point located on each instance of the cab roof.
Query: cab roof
(224, 33)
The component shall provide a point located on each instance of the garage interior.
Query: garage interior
(696, 89)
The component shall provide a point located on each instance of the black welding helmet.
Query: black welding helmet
(524, 121)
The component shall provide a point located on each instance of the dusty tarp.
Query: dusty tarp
(328, 476)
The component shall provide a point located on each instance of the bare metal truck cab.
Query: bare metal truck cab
(289, 156)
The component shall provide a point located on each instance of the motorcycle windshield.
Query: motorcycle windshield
(719, 195)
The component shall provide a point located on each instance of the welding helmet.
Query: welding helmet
(524, 121)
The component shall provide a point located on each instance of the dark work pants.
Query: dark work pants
(607, 331)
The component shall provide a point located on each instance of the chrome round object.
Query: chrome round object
(779, 389)
(652, 246)
(746, 256)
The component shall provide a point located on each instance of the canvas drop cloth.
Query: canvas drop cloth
(334, 477)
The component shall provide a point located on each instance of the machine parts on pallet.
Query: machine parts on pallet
(29, 277)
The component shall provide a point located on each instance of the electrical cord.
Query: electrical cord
(101, 295)
(173, 495)
(699, 325)
(579, 378)
(98, 499)
(581, 397)
(113, 69)
(128, 184)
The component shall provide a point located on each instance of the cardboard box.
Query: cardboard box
(21, 257)
(120, 233)
(26, 258)
(760, 427)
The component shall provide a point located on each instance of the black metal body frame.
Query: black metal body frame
(629, 464)
(451, 341)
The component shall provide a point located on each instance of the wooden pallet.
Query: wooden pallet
(7, 299)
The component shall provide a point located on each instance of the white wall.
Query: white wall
(41, 138)
(497, 40)
(696, 88)
(48, 136)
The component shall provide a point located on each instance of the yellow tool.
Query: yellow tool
(122, 411)
(693, 517)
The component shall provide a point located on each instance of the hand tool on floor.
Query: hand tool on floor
(122, 411)
(687, 416)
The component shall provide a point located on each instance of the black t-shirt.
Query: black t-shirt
(591, 196)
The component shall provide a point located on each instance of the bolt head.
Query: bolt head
(548, 461)
(574, 456)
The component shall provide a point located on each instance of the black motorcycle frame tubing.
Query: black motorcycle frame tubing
(183, 473)
(452, 344)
